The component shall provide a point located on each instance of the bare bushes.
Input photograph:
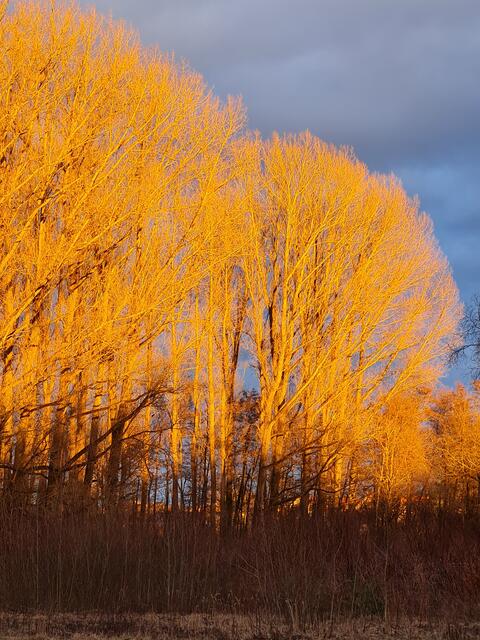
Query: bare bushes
(332, 566)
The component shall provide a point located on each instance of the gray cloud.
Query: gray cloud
(393, 79)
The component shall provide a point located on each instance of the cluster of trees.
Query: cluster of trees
(455, 421)
(158, 260)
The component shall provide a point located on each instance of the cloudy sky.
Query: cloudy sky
(399, 80)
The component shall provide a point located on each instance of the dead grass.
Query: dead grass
(216, 627)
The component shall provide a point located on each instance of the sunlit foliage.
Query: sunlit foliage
(157, 260)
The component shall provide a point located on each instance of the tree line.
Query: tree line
(197, 320)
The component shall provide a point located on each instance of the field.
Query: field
(216, 627)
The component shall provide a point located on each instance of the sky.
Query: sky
(397, 80)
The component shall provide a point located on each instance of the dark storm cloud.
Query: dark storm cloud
(399, 80)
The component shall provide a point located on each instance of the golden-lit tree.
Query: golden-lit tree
(455, 419)
(398, 450)
(105, 147)
(150, 253)
(346, 311)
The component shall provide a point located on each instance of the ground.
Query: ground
(216, 627)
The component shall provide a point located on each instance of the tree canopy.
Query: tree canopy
(158, 259)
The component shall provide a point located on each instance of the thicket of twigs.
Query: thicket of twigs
(333, 566)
